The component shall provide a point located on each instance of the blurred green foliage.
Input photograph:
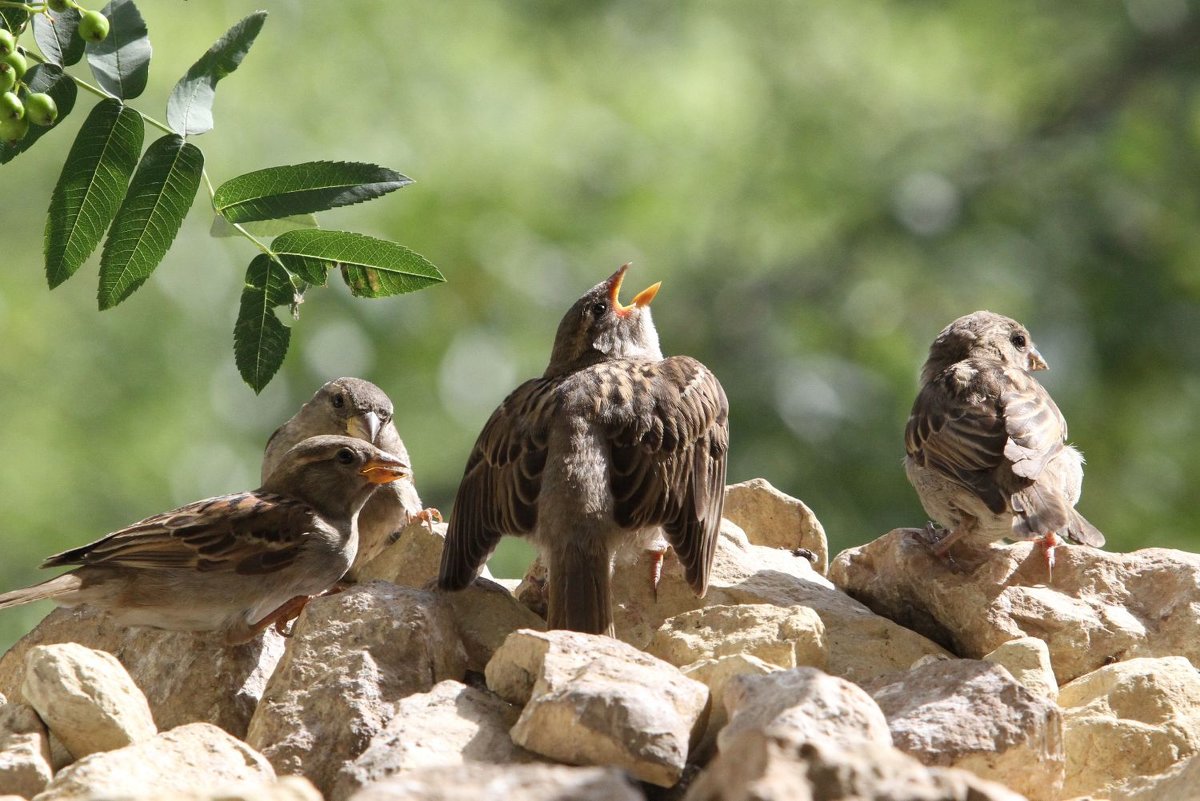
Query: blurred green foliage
(821, 187)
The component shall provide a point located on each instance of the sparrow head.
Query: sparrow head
(983, 335)
(599, 327)
(353, 407)
(334, 474)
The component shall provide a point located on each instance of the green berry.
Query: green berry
(40, 109)
(93, 26)
(13, 131)
(58, 6)
(17, 62)
(11, 107)
(8, 77)
(8, 44)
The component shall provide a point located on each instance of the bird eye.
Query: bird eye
(599, 308)
(339, 401)
(1018, 340)
(345, 456)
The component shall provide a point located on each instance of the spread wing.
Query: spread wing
(500, 486)
(668, 428)
(247, 532)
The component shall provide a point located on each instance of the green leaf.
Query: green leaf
(189, 108)
(223, 228)
(48, 78)
(372, 268)
(91, 186)
(260, 340)
(159, 197)
(310, 270)
(13, 18)
(303, 188)
(121, 63)
(56, 35)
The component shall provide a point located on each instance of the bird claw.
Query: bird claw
(656, 563)
(429, 516)
(1049, 543)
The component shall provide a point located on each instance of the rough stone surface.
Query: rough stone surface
(974, 715)
(762, 767)
(596, 701)
(1177, 783)
(287, 788)
(25, 766)
(450, 725)
(86, 698)
(485, 614)
(353, 656)
(518, 783)
(775, 520)
(412, 560)
(785, 636)
(1132, 719)
(186, 677)
(715, 674)
(1100, 607)
(800, 705)
(198, 755)
(1028, 660)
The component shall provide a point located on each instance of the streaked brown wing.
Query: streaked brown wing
(1036, 428)
(500, 486)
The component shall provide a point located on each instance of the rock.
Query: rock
(787, 636)
(775, 520)
(1132, 719)
(86, 698)
(411, 561)
(593, 700)
(475, 782)
(1028, 660)
(800, 705)
(25, 766)
(1100, 607)
(485, 614)
(1177, 783)
(198, 755)
(287, 788)
(185, 676)
(974, 715)
(861, 644)
(352, 657)
(450, 725)
(715, 674)
(756, 766)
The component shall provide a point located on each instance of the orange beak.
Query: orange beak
(642, 298)
(385, 470)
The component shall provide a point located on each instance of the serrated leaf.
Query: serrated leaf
(159, 196)
(91, 186)
(48, 78)
(311, 271)
(13, 18)
(260, 340)
(223, 228)
(372, 268)
(121, 63)
(55, 33)
(189, 108)
(303, 188)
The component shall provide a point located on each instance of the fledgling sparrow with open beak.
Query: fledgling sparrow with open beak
(613, 442)
(235, 563)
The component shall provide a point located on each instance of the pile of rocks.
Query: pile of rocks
(897, 677)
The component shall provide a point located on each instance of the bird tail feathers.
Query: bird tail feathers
(53, 588)
(580, 594)
(1081, 531)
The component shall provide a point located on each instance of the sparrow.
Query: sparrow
(353, 407)
(987, 446)
(235, 563)
(612, 443)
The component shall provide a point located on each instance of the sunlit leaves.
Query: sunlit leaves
(372, 268)
(121, 63)
(260, 340)
(189, 108)
(303, 188)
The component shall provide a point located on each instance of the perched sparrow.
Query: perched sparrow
(356, 408)
(612, 442)
(235, 563)
(987, 447)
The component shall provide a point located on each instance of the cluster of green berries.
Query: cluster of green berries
(19, 108)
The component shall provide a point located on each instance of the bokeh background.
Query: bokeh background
(820, 187)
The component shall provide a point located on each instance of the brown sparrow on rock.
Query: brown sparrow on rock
(986, 445)
(613, 442)
(235, 563)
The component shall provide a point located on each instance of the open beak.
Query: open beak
(385, 469)
(364, 426)
(641, 299)
(1036, 362)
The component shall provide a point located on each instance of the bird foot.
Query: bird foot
(939, 541)
(287, 612)
(1049, 543)
(429, 516)
(656, 563)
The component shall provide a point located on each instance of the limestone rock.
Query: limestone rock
(596, 701)
(861, 644)
(286, 788)
(1177, 783)
(475, 782)
(775, 520)
(25, 766)
(449, 725)
(86, 698)
(1028, 660)
(974, 715)
(353, 656)
(485, 614)
(198, 755)
(756, 766)
(787, 636)
(411, 561)
(715, 674)
(801, 705)
(186, 677)
(1132, 719)
(1101, 607)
